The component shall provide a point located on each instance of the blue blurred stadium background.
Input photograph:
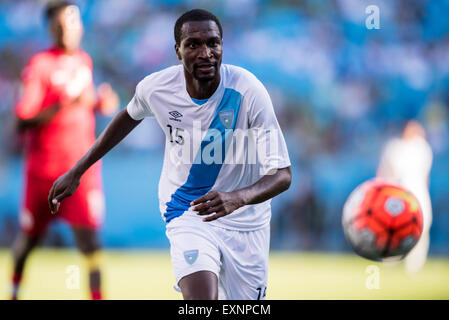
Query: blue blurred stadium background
(339, 90)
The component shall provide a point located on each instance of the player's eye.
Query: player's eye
(192, 45)
(213, 43)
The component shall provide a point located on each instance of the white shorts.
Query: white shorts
(238, 258)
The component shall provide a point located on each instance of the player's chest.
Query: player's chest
(182, 123)
(69, 73)
(177, 112)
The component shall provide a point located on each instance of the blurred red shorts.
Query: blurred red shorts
(84, 209)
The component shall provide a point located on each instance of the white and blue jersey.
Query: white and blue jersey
(212, 144)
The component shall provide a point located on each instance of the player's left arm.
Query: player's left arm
(223, 203)
(104, 98)
(274, 161)
(108, 100)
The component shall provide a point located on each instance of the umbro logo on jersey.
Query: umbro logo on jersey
(191, 256)
(175, 115)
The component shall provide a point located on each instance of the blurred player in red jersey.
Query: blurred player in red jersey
(56, 114)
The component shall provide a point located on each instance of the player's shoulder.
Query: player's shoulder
(40, 59)
(38, 65)
(393, 145)
(242, 80)
(85, 56)
(161, 79)
(163, 76)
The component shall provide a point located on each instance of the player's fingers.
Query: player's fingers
(62, 196)
(206, 205)
(50, 198)
(56, 201)
(199, 200)
(209, 196)
(55, 205)
(210, 210)
(104, 88)
(214, 216)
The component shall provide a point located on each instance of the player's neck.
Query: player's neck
(65, 49)
(201, 89)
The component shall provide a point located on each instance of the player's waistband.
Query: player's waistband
(226, 222)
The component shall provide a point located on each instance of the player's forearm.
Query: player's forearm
(41, 118)
(116, 131)
(216, 204)
(267, 187)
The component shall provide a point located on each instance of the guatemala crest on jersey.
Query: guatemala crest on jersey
(190, 256)
(227, 118)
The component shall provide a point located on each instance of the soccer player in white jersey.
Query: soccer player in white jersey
(215, 196)
(408, 160)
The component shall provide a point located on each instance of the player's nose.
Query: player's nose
(204, 52)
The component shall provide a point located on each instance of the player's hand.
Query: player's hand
(62, 188)
(217, 204)
(86, 97)
(108, 100)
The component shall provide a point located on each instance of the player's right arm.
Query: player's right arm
(41, 118)
(66, 185)
(122, 124)
(29, 112)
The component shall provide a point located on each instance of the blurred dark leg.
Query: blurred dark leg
(22, 247)
(88, 243)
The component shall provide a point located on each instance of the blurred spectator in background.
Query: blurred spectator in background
(56, 115)
(408, 160)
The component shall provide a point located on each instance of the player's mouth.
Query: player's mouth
(205, 68)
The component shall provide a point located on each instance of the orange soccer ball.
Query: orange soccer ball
(382, 220)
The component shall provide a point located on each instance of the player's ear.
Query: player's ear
(178, 54)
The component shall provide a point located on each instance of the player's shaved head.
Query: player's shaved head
(195, 15)
(54, 7)
(413, 129)
(65, 24)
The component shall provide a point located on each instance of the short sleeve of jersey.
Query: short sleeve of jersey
(272, 150)
(139, 106)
